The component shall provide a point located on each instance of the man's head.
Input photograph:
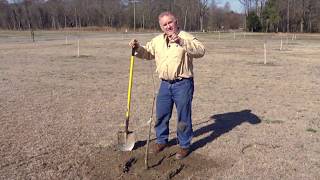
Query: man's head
(168, 23)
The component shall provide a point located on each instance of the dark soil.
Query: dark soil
(109, 163)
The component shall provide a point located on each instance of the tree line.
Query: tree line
(282, 15)
(194, 15)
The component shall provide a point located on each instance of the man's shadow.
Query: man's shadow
(222, 124)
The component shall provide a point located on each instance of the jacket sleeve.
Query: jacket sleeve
(146, 52)
(194, 47)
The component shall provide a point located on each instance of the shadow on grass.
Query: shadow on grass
(222, 124)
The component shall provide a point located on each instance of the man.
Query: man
(173, 52)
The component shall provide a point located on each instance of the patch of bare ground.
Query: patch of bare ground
(109, 163)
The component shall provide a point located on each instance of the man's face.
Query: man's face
(168, 25)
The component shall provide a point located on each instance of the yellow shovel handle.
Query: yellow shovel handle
(130, 85)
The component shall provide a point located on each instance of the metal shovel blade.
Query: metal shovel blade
(126, 141)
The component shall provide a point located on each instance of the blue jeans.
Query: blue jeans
(179, 93)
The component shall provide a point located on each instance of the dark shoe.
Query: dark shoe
(158, 148)
(182, 153)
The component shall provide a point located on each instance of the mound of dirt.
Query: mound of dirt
(110, 163)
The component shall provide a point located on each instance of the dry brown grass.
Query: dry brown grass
(59, 114)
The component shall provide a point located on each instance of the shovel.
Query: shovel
(126, 138)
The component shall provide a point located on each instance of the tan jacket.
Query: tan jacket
(173, 60)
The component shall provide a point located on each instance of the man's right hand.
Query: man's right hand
(134, 44)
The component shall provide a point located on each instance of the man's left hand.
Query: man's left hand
(174, 38)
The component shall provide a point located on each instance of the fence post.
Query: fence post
(78, 48)
(265, 52)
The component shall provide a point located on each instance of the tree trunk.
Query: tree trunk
(65, 21)
(142, 21)
(53, 22)
(185, 19)
(75, 17)
(201, 23)
(14, 19)
(310, 22)
(40, 24)
(79, 22)
(301, 25)
(288, 17)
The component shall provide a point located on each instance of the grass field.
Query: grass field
(60, 112)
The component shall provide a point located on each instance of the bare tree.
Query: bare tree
(203, 11)
(27, 6)
(287, 15)
(4, 6)
(247, 4)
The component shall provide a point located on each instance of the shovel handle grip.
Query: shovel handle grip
(133, 51)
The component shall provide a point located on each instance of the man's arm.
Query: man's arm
(146, 52)
(193, 47)
(143, 52)
(191, 44)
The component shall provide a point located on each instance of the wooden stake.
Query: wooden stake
(281, 44)
(78, 48)
(146, 157)
(219, 35)
(265, 53)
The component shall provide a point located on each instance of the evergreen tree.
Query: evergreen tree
(270, 17)
(253, 22)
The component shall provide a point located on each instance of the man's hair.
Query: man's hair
(167, 13)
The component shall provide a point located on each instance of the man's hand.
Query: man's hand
(174, 38)
(134, 44)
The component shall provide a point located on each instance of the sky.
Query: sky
(235, 4)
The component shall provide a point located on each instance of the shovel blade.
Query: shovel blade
(126, 141)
